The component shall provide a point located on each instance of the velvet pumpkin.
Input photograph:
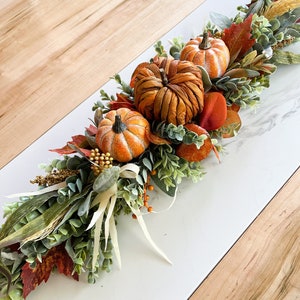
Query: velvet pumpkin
(190, 152)
(168, 90)
(210, 53)
(124, 134)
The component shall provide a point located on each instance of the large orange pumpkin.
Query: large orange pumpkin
(210, 53)
(124, 134)
(168, 90)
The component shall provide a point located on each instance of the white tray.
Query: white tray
(208, 217)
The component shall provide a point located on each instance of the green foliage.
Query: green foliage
(178, 134)
(242, 91)
(123, 86)
(171, 169)
(159, 49)
(176, 46)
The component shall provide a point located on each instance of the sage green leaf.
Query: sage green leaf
(205, 79)
(147, 163)
(220, 20)
(106, 179)
(84, 207)
(240, 72)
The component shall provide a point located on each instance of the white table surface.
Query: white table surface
(207, 217)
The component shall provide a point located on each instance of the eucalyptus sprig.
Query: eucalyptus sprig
(171, 169)
(178, 134)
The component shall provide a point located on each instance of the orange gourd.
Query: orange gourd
(168, 90)
(124, 134)
(232, 124)
(214, 112)
(210, 53)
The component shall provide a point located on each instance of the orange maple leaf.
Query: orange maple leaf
(238, 38)
(55, 257)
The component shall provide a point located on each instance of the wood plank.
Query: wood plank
(55, 54)
(265, 262)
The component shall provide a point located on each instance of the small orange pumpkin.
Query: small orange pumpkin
(191, 152)
(168, 90)
(210, 53)
(124, 134)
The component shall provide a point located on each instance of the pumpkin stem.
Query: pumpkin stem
(118, 126)
(205, 44)
(164, 77)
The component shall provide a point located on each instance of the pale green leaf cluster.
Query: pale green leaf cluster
(171, 169)
(179, 134)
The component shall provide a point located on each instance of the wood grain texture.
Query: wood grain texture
(55, 54)
(265, 262)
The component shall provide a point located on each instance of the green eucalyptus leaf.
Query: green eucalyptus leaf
(147, 163)
(79, 185)
(72, 186)
(275, 24)
(62, 164)
(74, 162)
(263, 40)
(139, 179)
(75, 223)
(144, 175)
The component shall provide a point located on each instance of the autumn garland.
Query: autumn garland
(175, 111)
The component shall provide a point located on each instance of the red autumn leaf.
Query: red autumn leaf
(79, 141)
(91, 130)
(122, 101)
(238, 38)
(56, 257)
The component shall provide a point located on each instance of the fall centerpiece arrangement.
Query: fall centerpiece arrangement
(173, 113)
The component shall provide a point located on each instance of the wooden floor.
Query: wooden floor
(50, 63)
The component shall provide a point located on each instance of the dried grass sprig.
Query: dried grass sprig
(278, 8)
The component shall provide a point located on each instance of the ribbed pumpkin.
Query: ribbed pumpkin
(168, 90)
(123, 133)
(210, 53)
